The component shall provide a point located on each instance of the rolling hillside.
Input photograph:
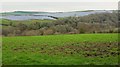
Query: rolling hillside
(24, 15)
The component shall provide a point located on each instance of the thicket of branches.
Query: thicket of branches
(94, 23)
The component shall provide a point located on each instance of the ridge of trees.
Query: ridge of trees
(94, 23)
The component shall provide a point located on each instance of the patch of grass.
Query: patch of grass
(15, 22)
(76, 49)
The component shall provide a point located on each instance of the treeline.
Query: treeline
(94, 23)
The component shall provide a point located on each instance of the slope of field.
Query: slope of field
(73, 49)
(15, 22)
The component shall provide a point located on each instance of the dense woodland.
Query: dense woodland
(93, 23)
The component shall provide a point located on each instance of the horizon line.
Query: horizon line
(53, 11)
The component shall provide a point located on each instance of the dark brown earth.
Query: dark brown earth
(86, 49)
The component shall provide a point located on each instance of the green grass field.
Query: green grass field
(75, 49)
(15, 22)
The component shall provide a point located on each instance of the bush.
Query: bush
(48, 32)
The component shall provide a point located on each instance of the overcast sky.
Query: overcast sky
(55, 6)
(59, 0)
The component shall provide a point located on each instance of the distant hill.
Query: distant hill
(25, 15)
(21, 13)
(58, 14)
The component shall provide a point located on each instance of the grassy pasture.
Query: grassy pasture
(75, 49)
(15, 22)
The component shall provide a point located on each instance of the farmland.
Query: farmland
(15, 22)
(73, 49)
(74, 40)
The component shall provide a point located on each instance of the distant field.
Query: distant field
(6, 22)
(73, 49)
(14, 22)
